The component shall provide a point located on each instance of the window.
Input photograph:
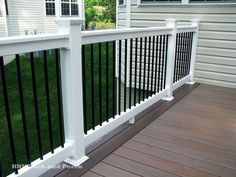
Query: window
(69, 7)
(190, 1)
(212, 1)
(161, 1)
(121, 2)
(50, 7)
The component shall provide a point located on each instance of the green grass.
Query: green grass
(103, 25)
(13, 93)
(96, 84)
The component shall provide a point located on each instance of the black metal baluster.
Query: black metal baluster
(107, 81)
(163, 62)
(92, 85)
(8, 114)
(100, 81)
(181, 56)
(144, 70)
(190, 52)
(184, 56)
(125, 75)
(59, 104)
(140, 68)
(159, 65)
(135, 70)
(149, 58)
(166, 51)
(1, 171)
(36, 109)
(130, 73)
(153, 58)
(48, 101)
(114, 78)
(120, 52)
(176, 57)
(187, 53)
(84, 90)
(156, 63)
(22, 105)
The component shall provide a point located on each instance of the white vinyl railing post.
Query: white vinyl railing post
(195, 23)
(170, 59)
(72, 94)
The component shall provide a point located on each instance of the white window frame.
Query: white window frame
(52, 2)
(1, 9)
(124, 4)
(70, 2)
(184, 2)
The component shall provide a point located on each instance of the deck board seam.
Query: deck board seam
(171, 162)
(142, 122)
(146, 164)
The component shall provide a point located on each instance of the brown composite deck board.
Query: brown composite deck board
(143, 119)
(159, 163)
(135, 167)
(91, 174)
(110, 170)
(180, 158)
(194, 138)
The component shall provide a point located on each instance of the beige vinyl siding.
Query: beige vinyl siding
(121, 16)
(2, 27)
(216, 54)
(49, 24)
(29, 15)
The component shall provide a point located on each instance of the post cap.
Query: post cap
(195, 20)
(171, 20)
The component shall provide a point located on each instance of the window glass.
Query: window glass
(69, 7)
(50, 7)
(121, 2)
(212, 1)
(165, 1)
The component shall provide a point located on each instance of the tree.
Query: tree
(100, 10)
(90, 11)
(109, 13)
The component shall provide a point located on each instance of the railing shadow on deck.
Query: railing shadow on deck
(103, 79)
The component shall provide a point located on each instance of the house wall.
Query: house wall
(121, 17)
(29, 15)
(216, 54)
(2, 27)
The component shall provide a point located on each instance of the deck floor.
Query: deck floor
(195, 138)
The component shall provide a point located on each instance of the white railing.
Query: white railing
(70, 40)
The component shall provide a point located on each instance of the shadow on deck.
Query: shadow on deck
(192, 136)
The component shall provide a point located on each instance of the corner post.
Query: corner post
(72, 93)
(170, 59)
(195, 23)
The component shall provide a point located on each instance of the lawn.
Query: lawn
(13, 93)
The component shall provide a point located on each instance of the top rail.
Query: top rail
(89, 37)
(182, 29)
(32, 43)
(24, 44)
